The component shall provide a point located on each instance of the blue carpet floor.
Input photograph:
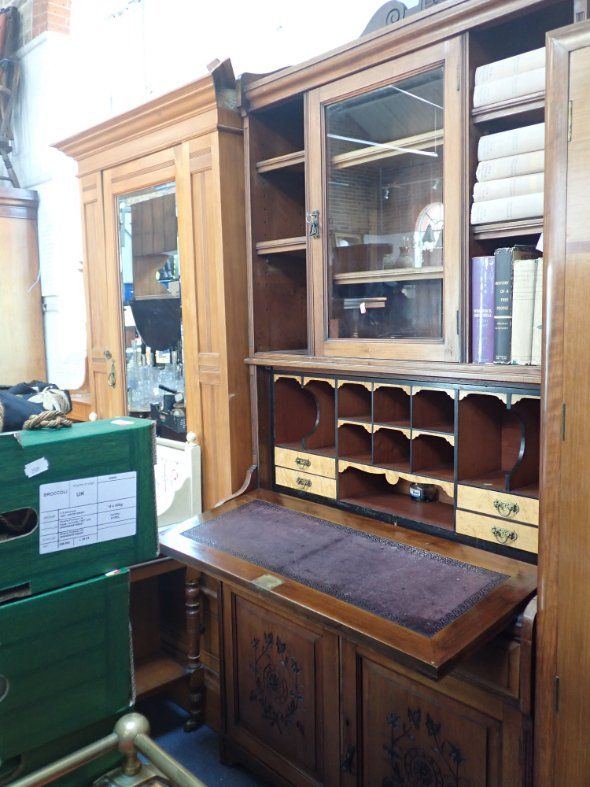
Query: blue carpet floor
(198, 751)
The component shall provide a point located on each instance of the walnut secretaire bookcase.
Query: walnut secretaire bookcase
(177, 159)
(370, 413)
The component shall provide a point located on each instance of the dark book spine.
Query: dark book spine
(502, 305)
(482, 309)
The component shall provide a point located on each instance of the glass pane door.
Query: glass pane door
(385, 219)
(152, 307)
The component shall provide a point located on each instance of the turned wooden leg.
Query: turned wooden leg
(193, 652)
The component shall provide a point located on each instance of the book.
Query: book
(482, 309)
(504, 259)
(511, 166)
(524, 274)
(510, 87)
(525, 206)
(511, 142)
(537, 316)
(508, 187)
(509, 66)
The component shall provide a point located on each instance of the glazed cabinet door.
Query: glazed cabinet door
(385, 208)
(281, 684)
(401, 730)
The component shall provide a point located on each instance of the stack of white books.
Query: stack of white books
(513, 77)
(509, 175)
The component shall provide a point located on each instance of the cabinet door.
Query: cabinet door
(147, 215)
(400, 730)
(101, 282)
(384, 170)
(281, 678)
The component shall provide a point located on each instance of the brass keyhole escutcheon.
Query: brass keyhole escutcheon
(112, 376)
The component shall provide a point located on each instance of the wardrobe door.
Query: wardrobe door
(101, 282)
(563, 688)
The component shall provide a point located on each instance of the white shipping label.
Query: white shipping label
(87, 511)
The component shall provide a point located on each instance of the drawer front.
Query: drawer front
(305, 482)
(498, 531)
(308, 463)
(509, 507)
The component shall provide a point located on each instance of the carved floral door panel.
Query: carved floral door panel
(282, 685)
(407, 735)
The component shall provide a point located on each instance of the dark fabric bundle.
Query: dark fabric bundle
(19, 403)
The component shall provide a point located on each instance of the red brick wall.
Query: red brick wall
(51, 15)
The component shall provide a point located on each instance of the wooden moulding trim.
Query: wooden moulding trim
(503, 397)
(494, 374)
(436, 23)
(407, 389)
(186, 102)
(351, 422)
(393, 476)
(18, 203)
(319, 380)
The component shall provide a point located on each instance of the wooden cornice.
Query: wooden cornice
(182, 104)
(434, 24)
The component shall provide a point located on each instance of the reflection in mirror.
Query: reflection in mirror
(152, 307)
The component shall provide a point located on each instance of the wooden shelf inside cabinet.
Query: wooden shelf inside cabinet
(379, 276)
(382, 150)
(292, 161)
(508, 229)
(534, 102)
(282, 246)
(156, 671)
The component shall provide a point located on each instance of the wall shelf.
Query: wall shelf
(390, 149)
(282, 246)
(379, 276)
(508, 229)
(293, 161)
(532, 103)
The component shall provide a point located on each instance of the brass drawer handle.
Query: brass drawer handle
(506, 509)
(303, 481)
(301, 462)
(503, 535)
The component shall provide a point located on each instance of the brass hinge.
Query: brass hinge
(556, 693)
(458, 323)
(563, 421)
(570, 112)
(458, 77)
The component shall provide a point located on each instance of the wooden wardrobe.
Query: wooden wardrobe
(190, 138)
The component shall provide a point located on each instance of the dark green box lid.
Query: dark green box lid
(86, 450)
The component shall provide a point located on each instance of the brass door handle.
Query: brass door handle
(503, 535)
(312, 219)
(506, 509)
(112, 377)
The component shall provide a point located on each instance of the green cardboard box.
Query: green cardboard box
(65, 662)
(90, 496)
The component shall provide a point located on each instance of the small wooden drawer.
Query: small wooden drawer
(500, 504)
(306, 482)
(498, 531)
(308, 463)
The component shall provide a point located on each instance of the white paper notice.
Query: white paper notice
(87, 511)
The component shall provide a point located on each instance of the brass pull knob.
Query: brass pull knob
(506, 509)
(347, 764)
(112, 377)
(301, 462)
(303, 481)
(503, 535)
